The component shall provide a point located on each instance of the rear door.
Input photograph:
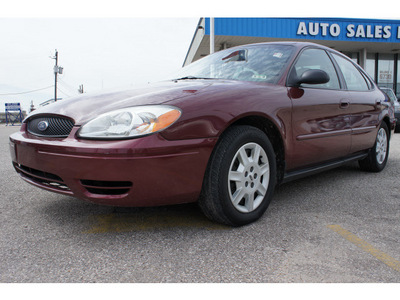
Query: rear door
(321, 114)
(366, 104)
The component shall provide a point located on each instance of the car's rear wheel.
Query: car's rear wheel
(378, 155)
(397, 128)
(240, 177)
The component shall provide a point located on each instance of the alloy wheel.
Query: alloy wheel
(248, 177)
(381, 146)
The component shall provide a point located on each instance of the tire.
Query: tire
(397, 128)
(240, 177)
(378, 155)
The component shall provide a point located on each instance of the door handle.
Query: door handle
(344, 104)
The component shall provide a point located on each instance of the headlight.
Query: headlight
(397, 108)
(130, 122)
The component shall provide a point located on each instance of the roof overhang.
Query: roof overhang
(346, 35)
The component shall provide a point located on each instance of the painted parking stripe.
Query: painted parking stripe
(383, 257)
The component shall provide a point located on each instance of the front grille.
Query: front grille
(107, 187)
(42, 178)
(50, 126)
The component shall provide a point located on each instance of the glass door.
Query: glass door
(385, 74)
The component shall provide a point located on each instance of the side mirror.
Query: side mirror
(312, 77)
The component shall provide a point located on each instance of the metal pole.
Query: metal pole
(55, 76)
(363, 58)
(212, 36)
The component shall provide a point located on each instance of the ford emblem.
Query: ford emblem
(43, 125)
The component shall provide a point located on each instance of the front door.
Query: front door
(320, 115)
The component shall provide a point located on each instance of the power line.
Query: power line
(63, 92)
(38, 81)
(20, 58)
(67, 86)
(27, 92)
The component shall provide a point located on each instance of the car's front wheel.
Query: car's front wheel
(240, 177)
(378, 155)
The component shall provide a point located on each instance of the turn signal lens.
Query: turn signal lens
(167, 119)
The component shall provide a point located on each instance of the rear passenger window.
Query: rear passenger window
(316, 59)
(355, 81)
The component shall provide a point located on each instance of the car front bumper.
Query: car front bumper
(146, 171)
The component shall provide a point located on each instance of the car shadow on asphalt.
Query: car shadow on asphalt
(346, 172)
(97, 219)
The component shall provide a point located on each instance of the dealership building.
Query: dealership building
(373, 44)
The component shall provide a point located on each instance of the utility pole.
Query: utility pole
(57, 70)
(212, 36)
(55, 76)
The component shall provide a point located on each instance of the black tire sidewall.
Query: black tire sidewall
(370, 163)
(251, 135)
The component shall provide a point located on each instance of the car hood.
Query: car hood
(84, 108)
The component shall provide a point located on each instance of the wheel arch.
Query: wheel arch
(274, 135)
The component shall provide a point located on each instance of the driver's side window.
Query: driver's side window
(316, 59)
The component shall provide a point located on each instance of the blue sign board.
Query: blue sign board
(12, 117)
(360, 30)
(13, 106)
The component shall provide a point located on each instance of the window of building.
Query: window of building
(398, 79)
(370, 65)
(386, 71)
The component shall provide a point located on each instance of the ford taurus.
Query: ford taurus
(224, 132)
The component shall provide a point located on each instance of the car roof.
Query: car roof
(296, 44)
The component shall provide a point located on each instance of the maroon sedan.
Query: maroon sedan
(224, 132)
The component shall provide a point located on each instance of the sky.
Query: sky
(98, 53)
(117, 44)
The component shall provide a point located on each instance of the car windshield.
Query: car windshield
(252, 63)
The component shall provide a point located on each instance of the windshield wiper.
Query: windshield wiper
(191, 77)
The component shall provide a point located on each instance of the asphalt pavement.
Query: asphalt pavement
(337, 226)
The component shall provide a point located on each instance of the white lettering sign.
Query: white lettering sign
(385, 76)
(13, 106)
(324, 27)
(352, 30)
(302, 29)
(334, 30)
(318, 28)
(386, 32)
(378, 32)
(360, 31)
